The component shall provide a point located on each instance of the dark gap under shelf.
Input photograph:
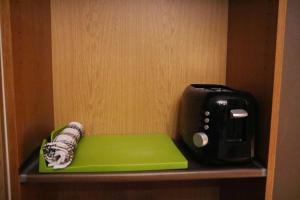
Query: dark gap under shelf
(29, 172)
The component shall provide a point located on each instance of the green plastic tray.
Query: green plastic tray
(117, 153)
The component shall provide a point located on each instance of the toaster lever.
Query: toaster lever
(238, 113)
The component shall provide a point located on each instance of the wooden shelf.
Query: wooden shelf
(196, 171)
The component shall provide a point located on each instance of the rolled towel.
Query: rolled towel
(78, 126)
(59, 153)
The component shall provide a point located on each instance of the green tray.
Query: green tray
(117, 153)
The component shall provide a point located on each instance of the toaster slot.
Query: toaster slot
(236, 130)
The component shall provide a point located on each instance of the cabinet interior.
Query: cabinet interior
(120, 67)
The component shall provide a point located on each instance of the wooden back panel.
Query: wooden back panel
(121, 66)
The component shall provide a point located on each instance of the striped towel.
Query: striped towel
(59, 153)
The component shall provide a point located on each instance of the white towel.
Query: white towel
(59, 153)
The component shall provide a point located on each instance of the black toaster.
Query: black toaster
(218, 123)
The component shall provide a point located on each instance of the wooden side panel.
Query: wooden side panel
(251, 56)
(32, 65)
(287, 165)
(133, 191)
(121, 66)
(2, 170)
(3, 185)
(276, 97)
(8, 73)
(26, 37)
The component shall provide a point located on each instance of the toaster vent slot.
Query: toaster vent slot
(236, 130)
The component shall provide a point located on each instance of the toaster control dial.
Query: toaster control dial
(200, 139)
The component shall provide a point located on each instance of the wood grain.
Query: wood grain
(8, 73)
(276, 98)
(251, 57)
(286, 174)
(26, 37)
(3, 168)
(3, 174)
(121, 66)
(31, 39)
(3, 187)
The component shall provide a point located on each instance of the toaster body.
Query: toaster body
(218, 123)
